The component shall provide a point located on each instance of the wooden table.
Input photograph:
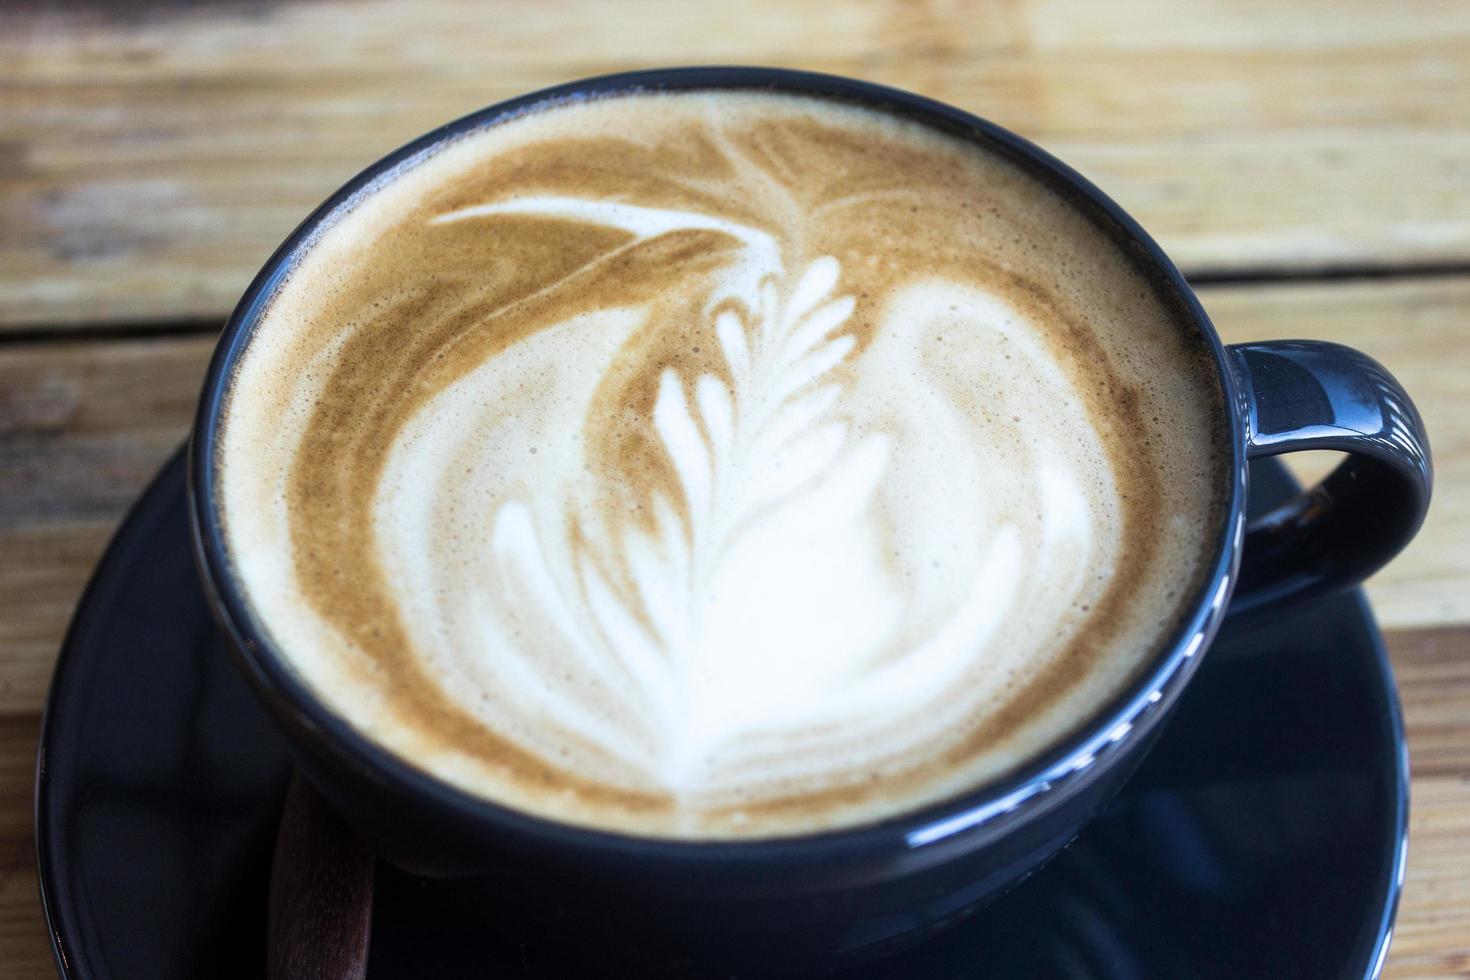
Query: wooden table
(1306, 163)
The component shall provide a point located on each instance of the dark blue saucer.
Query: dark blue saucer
(1262, 837)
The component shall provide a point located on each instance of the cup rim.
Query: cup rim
(986, 809)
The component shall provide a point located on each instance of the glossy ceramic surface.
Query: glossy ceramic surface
(1263, 836)
(936, 860)
(866, 889)
(1310, 394)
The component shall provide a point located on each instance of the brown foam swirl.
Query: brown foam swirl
(716, 465)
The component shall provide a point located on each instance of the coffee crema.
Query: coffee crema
(717, 464)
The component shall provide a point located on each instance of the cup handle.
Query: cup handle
(1307, 394)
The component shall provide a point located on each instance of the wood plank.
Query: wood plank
(1432, 938)
(1432, 934)
(42, 573)
(23, 935)
(27, 952)
(84, 426)
(150, 162)
(1432, 667)
(18, 735)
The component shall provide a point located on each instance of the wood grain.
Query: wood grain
(25, 951)
(151, 160)
(1432, 939)
(84, 425)
(1432, 935)
(152, 155)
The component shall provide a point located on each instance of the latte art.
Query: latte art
(768, 599)
(772, 470)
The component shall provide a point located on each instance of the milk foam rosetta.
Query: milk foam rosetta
(716, 465)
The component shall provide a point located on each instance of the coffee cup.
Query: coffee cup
(768, 510)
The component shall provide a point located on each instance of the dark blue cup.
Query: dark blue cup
(789, 904)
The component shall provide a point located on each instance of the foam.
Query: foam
(777, 467)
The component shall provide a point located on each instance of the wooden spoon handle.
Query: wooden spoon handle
(321, 895)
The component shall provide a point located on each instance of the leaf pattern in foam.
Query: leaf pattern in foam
(740, 446)
(759, 596)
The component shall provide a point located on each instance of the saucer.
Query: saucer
(1264, 835)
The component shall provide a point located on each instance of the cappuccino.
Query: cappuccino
(717, 465)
